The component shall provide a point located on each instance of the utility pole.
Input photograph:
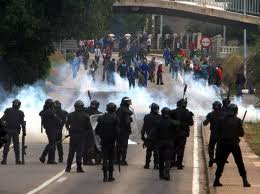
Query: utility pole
(224, 27)
(245, 44)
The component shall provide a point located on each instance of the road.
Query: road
(34, 177)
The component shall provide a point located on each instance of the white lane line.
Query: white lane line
(48, 182)
(195, 180)
(61, 179)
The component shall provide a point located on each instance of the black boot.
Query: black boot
(147, 165)
(211, 161)
(61, 159)
(80, 170)
(3, 161)
(111, 178)
(166, 175)
(68, 169)
(124, 163)
(89, 162)
(105, 179)
(156, 166)
(18, 162)
(217, 182)
(42, 159)
(245, 182)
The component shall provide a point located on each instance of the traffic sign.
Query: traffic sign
(205, 42)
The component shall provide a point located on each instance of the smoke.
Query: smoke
(200, 97)
(32, 98)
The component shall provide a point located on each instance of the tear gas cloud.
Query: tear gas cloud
(200, 98)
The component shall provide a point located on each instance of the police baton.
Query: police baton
(118, 153)
(185, 90)
(55, 143)
(244, 116)
(89, 95)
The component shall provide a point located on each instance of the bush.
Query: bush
(231, 66)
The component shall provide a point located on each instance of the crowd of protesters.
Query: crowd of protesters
(203, 69)
(133, 65)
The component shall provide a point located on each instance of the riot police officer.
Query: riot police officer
(225, 102)
(125, 117)
(50, 122)
(147, 135)
(13, 119)
(78, 125)
(165, 137)
(230, 129)
(108, 130)
(62, 114)
(212, 118)
(185, 117)
(90, 149)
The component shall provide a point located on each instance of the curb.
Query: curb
(210, 190)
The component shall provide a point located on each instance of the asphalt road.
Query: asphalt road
(34, 177)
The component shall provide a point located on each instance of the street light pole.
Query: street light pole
(245, 44)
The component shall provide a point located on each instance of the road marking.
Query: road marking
(195, 180)
(48, 182)
(60, 180)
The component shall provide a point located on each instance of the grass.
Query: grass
(252, 136)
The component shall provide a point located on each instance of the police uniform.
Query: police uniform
(108, 130)
(185, 117)
(78, 125)
(213, 118)
(51, 122)
(228, 137)
(62, 114)
(124, 114)
(165, 137)
(90, 149)
(150, 122)
(13, 119)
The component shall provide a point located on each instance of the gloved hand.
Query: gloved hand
(24, 134)
(142, 138)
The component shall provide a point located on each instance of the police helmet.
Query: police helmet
(79, 104)
(16, 103)
(233, 109)
(94, 104)
(226, 102)
(111, 107)
(48, 101)
(165, 111)
(154, 107)
(216, 105)
(182, 103)
(126, 101)
(57, 104)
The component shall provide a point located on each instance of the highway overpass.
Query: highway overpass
(179, 9)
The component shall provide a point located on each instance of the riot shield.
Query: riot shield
(93, 121)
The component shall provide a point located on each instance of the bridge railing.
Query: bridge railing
(205, 3)
(227, 50)
(252, 7)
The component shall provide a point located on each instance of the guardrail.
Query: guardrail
(226, 50)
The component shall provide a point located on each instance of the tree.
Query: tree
(128, 23)
(28, 28)
(24, 44)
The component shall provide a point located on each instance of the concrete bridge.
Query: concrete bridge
(174, 8)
